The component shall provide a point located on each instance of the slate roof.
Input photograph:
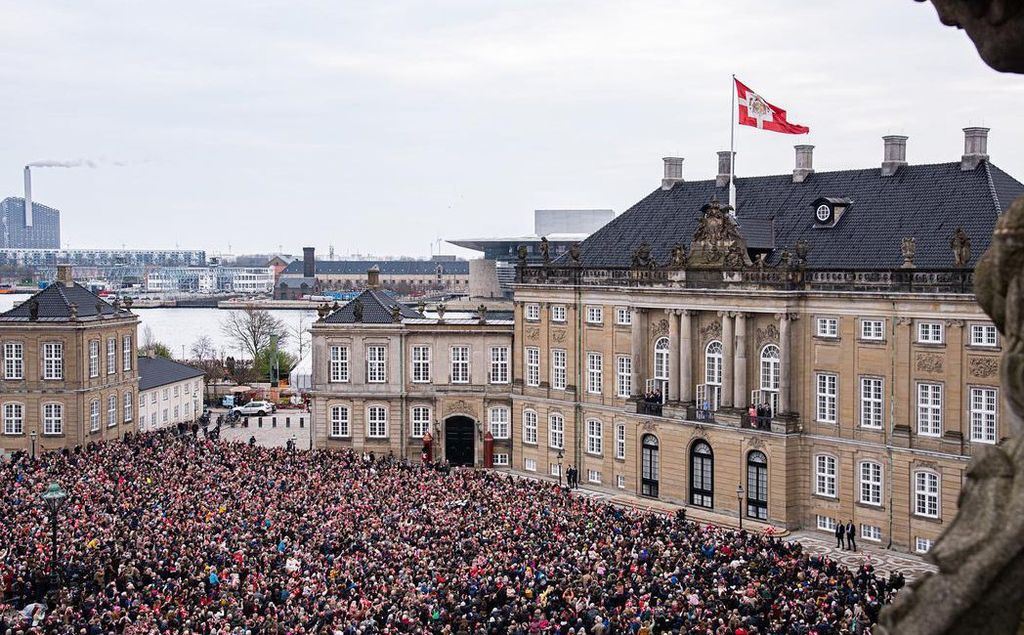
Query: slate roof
(160, 371)
(927, 202)
(387, 267)
(296, 281)
(55, 305)
(376, 309)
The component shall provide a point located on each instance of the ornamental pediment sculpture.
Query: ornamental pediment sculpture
(660, 329)
(717, 241)
(767, 335)
(460, 406)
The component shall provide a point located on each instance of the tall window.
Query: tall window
(532, 366)
(595, 440)
(376, 364)
(713, 374)
(983, 414)
(377, 422)
(871, 402)
(129, 410)
(871, 483)
(94, 415)
(126, 353)
(338, 364)
(623, 376)
(650, 465)
(594, 373)
(112, 410)
(53, 418)
(556, 431)
(339, 421)
(929, 409)
(421, 364)
(757, 485)
(53, 360)
(530, 427)
(620, 441)
(14, 360)
(825, 475)
(499, 364)
(460, 364)
(14, 418)
(498, 421)
(94, 358)
(661, 361)
(702, 475)
(420, 421)
(558, 369)
(926, 494)
(111, 355)
(770, 370)
(827, 395)
(929, 332)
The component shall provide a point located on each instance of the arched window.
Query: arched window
(771, 360)
(712, 376)
(757, 485)
(702, 475)
(661, 357)
(650, 465)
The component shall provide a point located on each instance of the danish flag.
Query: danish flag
(755, 111)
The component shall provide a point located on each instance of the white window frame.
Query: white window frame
(459, 364)
(595, 373)
(870, 478)
(825, 523)
(94, 415)
(53, 418)
(94, 358)
(927, 491)
(558, 368)
(929, 409)
(340, 422)
(14, 418)
(500, 459)
(871, 532)
(530, 426)
(127, 352)
(872, 330)
(620, 441)
(623, 316)
(53, 360)
(826, 475)
(14, 360)
(930, 332)
(595, 436)
(714, 357)
(421, 364)
(337, 365)
(595, 314)
(532, 312)
(556, 469)
(500, 357)
(532, 357)
(376, 422)
(420, 416)
(984, 413)
(827, 397)
(623, 376)
(112, 411)
(558, 313)
(376, 364)
(556, 431)
(111, 355)
(594, 476)
(498, 422)
(984, 335)
(129, 410)
(826, 327)
(923, 545)
(872, 402)
(620, 481)
(530, 465)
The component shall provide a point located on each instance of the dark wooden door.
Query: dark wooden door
(459, 447)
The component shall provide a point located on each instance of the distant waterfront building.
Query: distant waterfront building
(44, 233)
(169, 393)
(247, 280)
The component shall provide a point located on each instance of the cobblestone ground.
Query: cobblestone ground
(275, 432)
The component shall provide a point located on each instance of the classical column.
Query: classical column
(784, 354)
(727, 360)
(637, 352)
(673, 354)
(739, 393)
(686, 355)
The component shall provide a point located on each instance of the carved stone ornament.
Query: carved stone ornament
(642, 258)
(521, 252)
(558, 335)
(767, 335)
(575, 253)
(532, 332)
(545, 250)
(982, 367)
(649, 426)
(755, 443)
(961, 246)
(659, 329)
(357, 310)
(678, 257)
(459, 406)
(908, 248)
(717, 241)
(928, 362)
(711, 331)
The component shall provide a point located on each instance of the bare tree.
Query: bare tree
(147, 337)
(251, 329)
(202, 349)
(301, 333)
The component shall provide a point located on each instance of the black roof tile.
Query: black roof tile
(377, 306)
(160, 371)
(54, 305)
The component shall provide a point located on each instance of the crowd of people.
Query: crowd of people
(185, 534)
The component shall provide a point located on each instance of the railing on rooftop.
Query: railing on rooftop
(650, 408)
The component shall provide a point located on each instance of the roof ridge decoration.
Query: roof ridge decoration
(717, 242)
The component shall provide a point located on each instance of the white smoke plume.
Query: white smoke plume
(73, 163)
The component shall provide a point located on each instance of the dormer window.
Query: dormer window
(823, 213)
(828, 210)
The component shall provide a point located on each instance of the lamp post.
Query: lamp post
(561, 456)
(54, 499)
(33, 436)
(739, 504)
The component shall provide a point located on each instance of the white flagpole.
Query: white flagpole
(732, 143)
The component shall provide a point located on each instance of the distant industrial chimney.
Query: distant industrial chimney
(65, 275)
(724, 168)
(975, 148)
(373, 277)
(28, 196)
(309, 262)
(894, 154)
(673, 172)
(804, 163)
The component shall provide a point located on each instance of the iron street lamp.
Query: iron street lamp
(33, 436)
(739, 504)
(54, 499)
(560, 457)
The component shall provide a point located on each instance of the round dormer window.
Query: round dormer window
(823, 213)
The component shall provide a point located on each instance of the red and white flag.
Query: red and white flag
(755, 111)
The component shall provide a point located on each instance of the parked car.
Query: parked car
(257, 408)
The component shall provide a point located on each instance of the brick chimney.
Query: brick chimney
(894, 154)
(673, 172)
(804, 163)
(308, 262)
(373, 277)
(724, 168)
(65, 275)
(975, 148)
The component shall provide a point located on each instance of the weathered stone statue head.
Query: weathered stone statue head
(995, 26)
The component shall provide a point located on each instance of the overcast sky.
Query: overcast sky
(380, 126)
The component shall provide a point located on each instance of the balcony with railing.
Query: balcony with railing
(678, 411)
